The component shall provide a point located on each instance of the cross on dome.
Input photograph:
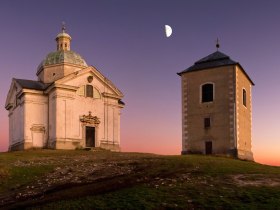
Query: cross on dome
(63, 28)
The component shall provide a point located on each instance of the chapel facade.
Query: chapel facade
(71, 105)
(217, 108)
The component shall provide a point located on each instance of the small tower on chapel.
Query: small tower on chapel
(217, 107)
(63, 39)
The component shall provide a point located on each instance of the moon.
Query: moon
(168, 30)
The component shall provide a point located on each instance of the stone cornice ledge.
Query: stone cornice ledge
(61, 86)
(108, 95)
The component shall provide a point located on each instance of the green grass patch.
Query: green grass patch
(184, 197)
(18, 176)
(191, 181)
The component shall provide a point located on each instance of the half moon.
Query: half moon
(168, 30)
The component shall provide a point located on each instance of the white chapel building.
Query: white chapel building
(71, 105)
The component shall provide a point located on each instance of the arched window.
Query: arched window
(89, 91)
(207, 93)
(244, 97)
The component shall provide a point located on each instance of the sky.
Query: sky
(125, 40)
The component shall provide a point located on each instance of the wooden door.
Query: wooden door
(208, 147)
(90, 136)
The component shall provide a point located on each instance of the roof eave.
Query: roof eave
(238, 64)
(201, 69)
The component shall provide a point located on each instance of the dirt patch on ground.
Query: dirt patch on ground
(256, 180)
(67, 176)
(71, 173)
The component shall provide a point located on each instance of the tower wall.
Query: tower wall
(230, 112)
(243, 116)
(220, 132)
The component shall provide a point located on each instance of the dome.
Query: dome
(62, 56)
(63, 34)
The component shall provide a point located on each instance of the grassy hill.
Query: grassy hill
(49, 179)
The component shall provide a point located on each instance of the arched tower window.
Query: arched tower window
(207, 91)
(89, 91)
(244, 97)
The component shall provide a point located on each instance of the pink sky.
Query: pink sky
(125, 40)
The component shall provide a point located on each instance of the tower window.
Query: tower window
(89, 91)
(207, 92)
(244, 97)
(65, 45)
(207, 122)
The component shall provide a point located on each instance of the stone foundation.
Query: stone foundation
(245, 155)
(240, 154)
(110, 146)
(21, 146)
(67, 145)
(188, 152)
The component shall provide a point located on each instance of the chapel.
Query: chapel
(217, 107)
(71, 105)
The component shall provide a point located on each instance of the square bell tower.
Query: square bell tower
(217, 108)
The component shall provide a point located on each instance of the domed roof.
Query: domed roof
(63, 34)
(62, 56)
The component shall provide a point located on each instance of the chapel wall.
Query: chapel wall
(52, 73)
(16, 125)
(35, 119)
(82, 106)
(69, 69)
(52, 119)
(105, 108)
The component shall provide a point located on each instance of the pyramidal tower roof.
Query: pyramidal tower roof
(216, 59)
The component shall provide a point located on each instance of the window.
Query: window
(89, 91)
(207, 122)
(244, 97)
(207, 93)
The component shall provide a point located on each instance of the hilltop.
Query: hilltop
(53, 179)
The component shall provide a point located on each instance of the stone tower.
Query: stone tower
(217, 108)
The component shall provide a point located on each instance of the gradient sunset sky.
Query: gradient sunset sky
(125, 40)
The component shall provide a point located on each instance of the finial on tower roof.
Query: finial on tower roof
(63, 27)
(217, 44)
